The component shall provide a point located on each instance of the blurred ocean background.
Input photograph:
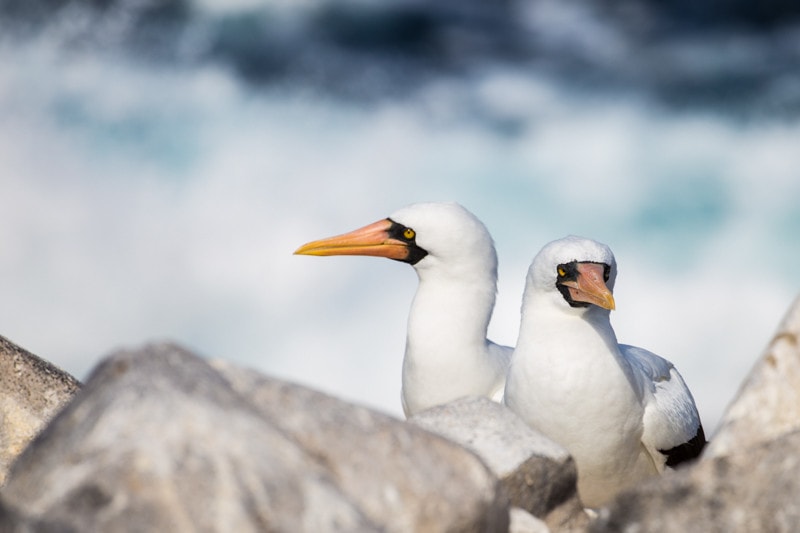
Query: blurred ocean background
(160, 160)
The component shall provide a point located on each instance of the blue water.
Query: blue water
(158, 169)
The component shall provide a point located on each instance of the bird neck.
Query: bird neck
(449, 317)
(545, 319)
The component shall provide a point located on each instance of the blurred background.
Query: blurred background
(160, 160)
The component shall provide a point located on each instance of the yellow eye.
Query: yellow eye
(562, 272)
(409, 233)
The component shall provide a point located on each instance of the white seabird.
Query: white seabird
(447, 354)
(623, 412)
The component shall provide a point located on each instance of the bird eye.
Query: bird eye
(561, 271)
(409, 233)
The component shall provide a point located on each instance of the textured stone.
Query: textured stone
(768, 402)
(32, 391)
(159, 440)
(401, 475)
(537, 474)
(754, 490)
(524, 522)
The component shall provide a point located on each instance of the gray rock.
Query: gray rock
(32, 391)
(401, 475)
(768, 403)
(159, 440)
(524, 522)
(537, 474)
(752, 491)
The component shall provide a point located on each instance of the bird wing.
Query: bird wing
(672, 432)
(501, 357)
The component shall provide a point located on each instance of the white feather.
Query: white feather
(447, 353)
(612, 406)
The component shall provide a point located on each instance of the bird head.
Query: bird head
(578, 273)
(425, 235)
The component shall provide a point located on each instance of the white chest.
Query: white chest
(573, 385)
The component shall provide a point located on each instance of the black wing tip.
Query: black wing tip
(688, 451)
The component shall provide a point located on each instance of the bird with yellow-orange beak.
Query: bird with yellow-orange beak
(447, 355)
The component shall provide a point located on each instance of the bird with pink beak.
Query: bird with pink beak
(622, 412)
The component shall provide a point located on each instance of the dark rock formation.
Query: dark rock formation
(159, 440)
(32, 391)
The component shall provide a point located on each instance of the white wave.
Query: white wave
(141, 203)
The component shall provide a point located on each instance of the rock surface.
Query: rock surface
(162, 440)
(537, 474)
(756, 491)
(411, 479)
(32, 391)
(768, 403)
(524, 522)
(159, 440)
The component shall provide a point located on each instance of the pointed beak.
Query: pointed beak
(373, 239)
(590, 286)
